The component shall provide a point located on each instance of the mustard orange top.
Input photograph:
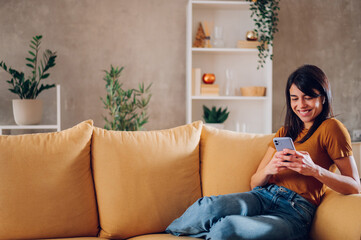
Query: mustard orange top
(329, 142)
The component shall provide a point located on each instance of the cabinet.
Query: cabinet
(56, 126)
(252, 114)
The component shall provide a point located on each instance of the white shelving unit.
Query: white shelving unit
(56, 126)
(235, 19)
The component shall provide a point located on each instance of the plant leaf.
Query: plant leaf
(30, 60)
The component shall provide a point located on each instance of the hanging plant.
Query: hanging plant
(265, 16)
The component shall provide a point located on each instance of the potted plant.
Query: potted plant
(215, 117)
(265, 16)
(28, 110)
(127, 108)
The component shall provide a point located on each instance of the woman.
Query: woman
(288, 185)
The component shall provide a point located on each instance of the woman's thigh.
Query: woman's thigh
(245, 204)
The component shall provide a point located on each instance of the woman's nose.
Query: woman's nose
(303, 103)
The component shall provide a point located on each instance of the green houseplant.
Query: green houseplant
(127, 109)
(30, 87)
(28, 109)
(265, 16)
(215, 117)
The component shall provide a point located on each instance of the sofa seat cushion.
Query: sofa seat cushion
(161, 237)
(46, 185)
(146, 179)
(229, 159)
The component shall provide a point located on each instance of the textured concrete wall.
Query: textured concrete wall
(326, 34)
(148, 38)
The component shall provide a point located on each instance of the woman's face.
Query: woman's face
(305, 107)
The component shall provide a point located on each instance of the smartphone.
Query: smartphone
(283, 142)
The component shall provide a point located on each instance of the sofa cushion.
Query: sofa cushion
(46, 185)
(337, 217)
(144, 180)
(229, 159)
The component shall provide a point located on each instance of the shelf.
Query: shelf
(56, 126)
(229, 5)
(224, 50)
(235, 19)
(27, 127)
(10, 127)
(237, 98)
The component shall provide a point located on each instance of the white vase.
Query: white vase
(27, 111)
(215, 125)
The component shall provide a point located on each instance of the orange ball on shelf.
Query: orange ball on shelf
(209, 78)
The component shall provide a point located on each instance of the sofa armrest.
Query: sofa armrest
(338, 217)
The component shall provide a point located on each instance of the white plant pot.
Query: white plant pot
(215, 125)
(27, 111)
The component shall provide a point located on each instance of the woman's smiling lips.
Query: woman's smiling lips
(304, 113)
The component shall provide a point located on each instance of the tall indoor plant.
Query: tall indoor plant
(265, 16)
(127, 109)
(28, 109)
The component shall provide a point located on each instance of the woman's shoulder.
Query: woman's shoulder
(333, 127)
(281, 132)
(332, 124)
(336, 138)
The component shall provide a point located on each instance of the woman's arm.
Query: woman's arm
(346, 183)
(269, 166)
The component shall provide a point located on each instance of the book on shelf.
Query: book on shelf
(210, 90)
(196, 81)
(249, 44)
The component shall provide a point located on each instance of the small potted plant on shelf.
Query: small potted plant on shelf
(215, 117)
(28, 110)
(127, 108)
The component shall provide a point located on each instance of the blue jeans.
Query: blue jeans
(269, 212)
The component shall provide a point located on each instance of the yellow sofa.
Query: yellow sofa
(88, 183)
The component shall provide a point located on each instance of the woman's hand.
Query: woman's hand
(276, 164)
(300, 162)
(346, 183)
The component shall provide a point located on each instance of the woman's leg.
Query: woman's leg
(257, 227)
(204, 213)
(286, 216)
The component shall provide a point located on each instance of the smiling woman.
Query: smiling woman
(308, 98)
(305, 107)
(289, 184)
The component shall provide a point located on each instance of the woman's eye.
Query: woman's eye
(308, 98)
(294, 99)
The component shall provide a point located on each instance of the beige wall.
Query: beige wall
(327, 34)
(148, 38)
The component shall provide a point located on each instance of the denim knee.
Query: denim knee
(231, 204)
(224, 229)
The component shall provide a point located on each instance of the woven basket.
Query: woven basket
(253, 91)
